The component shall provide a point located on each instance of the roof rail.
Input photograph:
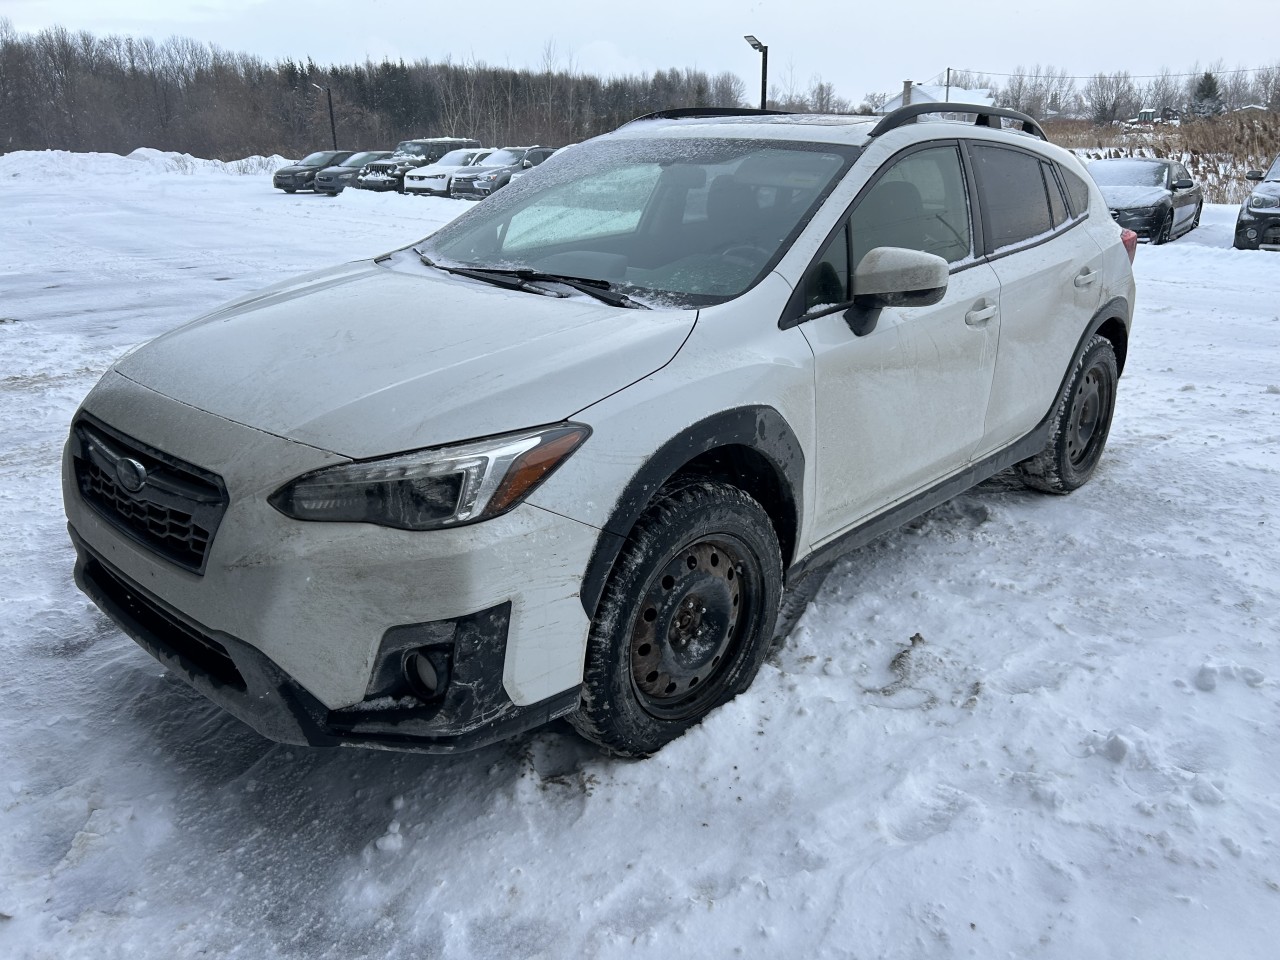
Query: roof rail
(987, 117)
(679, 113)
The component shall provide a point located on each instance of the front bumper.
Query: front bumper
(472, 189)
(378, 180)
(1144, 222)
(1264, 225)
(310, 608)
(293, 183)
(438, 186)
(473, 709)
(331, 185)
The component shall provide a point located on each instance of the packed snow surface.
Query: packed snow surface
(1022, 726)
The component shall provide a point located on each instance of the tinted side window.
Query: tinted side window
(920, 203)
(1057, 206)
(1077, 190)
(1013, 195)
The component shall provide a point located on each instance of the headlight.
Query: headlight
(488, 176)
(345, 176)
(1259, 201)
(428, 489)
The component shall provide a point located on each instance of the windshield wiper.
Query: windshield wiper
(601, 290)
(499, 278)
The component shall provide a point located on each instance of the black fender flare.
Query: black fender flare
(761, 429)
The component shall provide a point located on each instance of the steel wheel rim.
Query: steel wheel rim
(692, 621)
(1084, 430)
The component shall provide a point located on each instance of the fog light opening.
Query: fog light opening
(427, 670)
(1251, 233)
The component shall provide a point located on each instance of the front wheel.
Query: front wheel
(1164, 232)
(1195, 221)
(1081, 423)
(686, 619)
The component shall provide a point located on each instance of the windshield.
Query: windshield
(1274, 172)
(410, 149)
(683, 222)
(317, 159)
(502, 158)
(1128, 173)
(456, 158)
(360, 159)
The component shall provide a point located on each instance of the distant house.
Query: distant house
(927, 93)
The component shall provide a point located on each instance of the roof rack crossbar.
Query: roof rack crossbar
(678, 113)
(986, 117)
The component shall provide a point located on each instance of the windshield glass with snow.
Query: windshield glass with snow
(317, 159)
(456, 158)
(685, 222)
(502, 158)
(359, 159)
(1274, 172)
(409, 149)
(1127, 173)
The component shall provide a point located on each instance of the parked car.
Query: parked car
(436, 177)
(1258, 224)
(1156, 199)
(333, 180)
(593, 444)
(388, 174)
(496, 170)
(302, 175)
(524, 171)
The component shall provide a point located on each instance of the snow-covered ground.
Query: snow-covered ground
(1076, 757)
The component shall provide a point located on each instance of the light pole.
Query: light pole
(333, 129)
(764, 68)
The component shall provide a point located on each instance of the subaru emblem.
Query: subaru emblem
(131, 474)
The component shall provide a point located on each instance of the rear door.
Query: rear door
(1050, 273)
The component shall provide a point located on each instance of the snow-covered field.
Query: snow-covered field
(1075, 758)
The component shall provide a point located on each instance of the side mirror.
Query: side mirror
(527, 164)
(1253, 175)
(894, 277)
(1183, 184)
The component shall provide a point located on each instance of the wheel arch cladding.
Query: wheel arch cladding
(752, 448)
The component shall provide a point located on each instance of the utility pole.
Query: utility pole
(948, 85)
(764, 69)
(333, 129)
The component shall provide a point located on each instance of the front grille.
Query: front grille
(152, 623)
(176, 506)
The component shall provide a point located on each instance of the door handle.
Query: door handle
(1085, 277)
(980, 315)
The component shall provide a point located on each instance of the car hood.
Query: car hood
(1126, 197)
(370, 358)
(297, 168)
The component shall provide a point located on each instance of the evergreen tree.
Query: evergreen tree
(1206, 98)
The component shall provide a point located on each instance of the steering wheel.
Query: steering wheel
(745, 254)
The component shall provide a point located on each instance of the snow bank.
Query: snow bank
(55, 163)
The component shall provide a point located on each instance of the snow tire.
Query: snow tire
(686, 619)
(1081, 423)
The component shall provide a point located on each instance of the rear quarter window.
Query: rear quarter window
(1077, 191)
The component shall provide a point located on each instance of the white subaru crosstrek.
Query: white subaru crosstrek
(588, 449)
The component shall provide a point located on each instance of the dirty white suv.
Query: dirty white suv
(588, 449)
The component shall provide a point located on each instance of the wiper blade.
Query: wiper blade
(499, 278)
(601, 290)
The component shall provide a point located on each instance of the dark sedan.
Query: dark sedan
(1156, 199)
(1258, 225)
(302, 175)
(332, 180)
(495, 171)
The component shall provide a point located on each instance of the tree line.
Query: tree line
(1104, 98)
(61, 89)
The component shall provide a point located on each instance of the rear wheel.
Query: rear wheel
(1081, 424)
(1195, 221)
(686, 618)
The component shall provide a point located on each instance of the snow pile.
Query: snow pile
(45, 164)
(1022, 726)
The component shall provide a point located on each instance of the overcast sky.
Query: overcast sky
(859, 47)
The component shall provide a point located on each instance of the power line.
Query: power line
(1147, 76)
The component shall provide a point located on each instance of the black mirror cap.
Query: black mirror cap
(1254, 175)
(1183, 184)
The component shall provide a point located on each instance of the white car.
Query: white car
(435, 178)
(588, 449)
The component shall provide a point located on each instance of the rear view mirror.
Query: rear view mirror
(894, 277)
